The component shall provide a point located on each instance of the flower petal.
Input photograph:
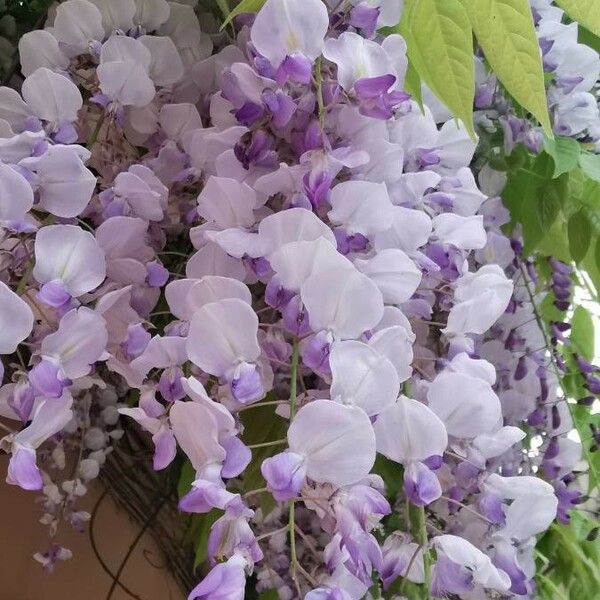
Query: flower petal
(338, 442)
(16, 320)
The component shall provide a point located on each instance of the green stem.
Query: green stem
(264, 536)
(292, 532)
(426, 556)
(260, 404)
(589, 458)
(267, 444)
(292, 507)
(261, 490)
(93, 138)
(25, 279)
(418, 522)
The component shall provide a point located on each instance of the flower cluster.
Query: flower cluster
(273, 222)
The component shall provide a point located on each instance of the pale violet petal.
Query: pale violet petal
(344, 302)
(69, 254)
(16, 320)
(231, 326)
(337, 441)
(286, 27)
(408, 431)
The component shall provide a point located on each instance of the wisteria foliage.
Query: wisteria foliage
(200, 230)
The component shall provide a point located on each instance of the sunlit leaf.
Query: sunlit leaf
(505, 31)
(565, 153)
(586, 12)
(590, 165)
(245, 6)
(584, 194)
(412, 84)
(440, 46)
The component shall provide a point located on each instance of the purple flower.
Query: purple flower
(295, 68)
(246, 385)
(315, 352)
(169, 384)
(374, 98)
(206, 495)
(157, 274)
(327, 593)
(46, 379)
(365, 17)
(231, 535)
(23, 470)
(421, 485)
(398, 553)
(226, 581)
(285, 474)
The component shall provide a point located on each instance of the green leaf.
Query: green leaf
(269, 595)
(565, 152)
(202, 526)
(440, 46)
(223, 7)
(584, 36)
(555, 243)
(582, 333)
(583, 419)
(535, 199)
(580, 235)
(568, 563)
(590, 165)
(586, 12)
(412, 84)
(245, 6)
(186, 476)
(505, 32)
(392, 474)
(553, 590)
(592, 267)
(584, 194)
(261, 424)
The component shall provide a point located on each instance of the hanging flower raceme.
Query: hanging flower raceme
(276, 263)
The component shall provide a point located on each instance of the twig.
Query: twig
(97, 553)
(467, 507)
(408, 568)
(264, 536)
(135, 542)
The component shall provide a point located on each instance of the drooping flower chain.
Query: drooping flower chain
(273, 223)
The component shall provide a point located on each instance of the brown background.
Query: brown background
(82, 577)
